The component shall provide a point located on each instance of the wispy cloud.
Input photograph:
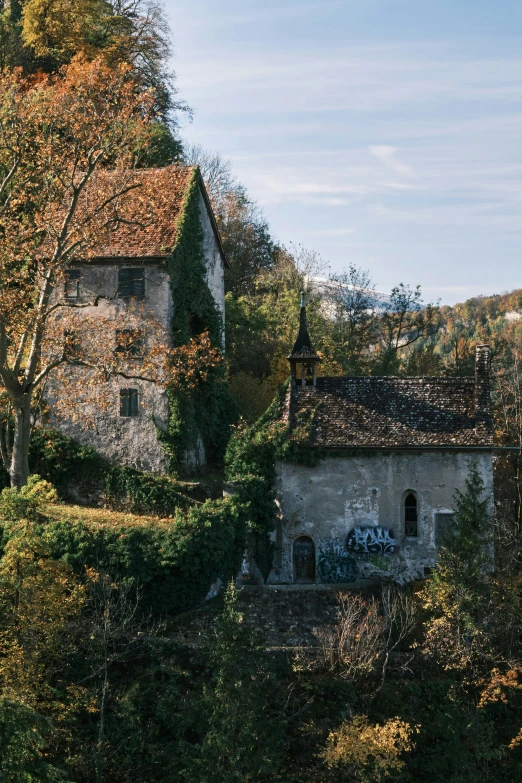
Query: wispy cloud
(241, 15)
(330, 232)
(400, 155)
(387, 156)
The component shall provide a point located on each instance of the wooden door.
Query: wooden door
(304, 559)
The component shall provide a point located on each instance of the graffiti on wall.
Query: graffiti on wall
(368, 540)
(334, 563)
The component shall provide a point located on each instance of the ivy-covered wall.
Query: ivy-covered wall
(200, 416)
(250, 462)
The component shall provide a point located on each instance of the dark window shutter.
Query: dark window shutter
(131, 281)
(133, 400)
(72, 283)
(444, 527)
(129, 402)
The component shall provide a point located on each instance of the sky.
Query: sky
(380, 133)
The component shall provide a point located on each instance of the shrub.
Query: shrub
(27, 502)
(175, 562)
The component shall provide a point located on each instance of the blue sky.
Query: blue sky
(384, 133)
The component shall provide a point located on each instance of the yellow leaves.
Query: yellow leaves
(516, 741)
(497, 686)
(369, 752)
(61, 28)
(39, 598)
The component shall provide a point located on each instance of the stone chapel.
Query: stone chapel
(391, 453)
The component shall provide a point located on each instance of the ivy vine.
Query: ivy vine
(250, 466)
(203, 414)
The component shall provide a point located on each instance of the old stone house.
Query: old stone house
(129, 268)
(390, 454)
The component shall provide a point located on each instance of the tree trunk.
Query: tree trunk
(99, 760)
(19, 471)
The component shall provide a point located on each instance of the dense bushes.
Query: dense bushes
(80, 471)
(174, 563)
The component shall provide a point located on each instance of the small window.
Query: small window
(71, 345)
(129, 342)
(410, 516)
(129, 402)
(72, 283)
(444, 526)
(197, 325)
(131, 281)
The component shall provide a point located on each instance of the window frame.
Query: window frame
(72, 345)
(127, 402)
(73, 278)
(447, 529)
(408, 522)
(136, 349)
(130, 282)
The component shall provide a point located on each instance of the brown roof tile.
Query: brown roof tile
(393, 412)
(151, 213)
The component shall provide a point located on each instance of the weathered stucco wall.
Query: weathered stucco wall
(127, 440)
(213, 259)
(327, 501)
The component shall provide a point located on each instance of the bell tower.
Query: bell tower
(303, 359)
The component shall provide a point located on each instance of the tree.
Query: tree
(242, 225)
(245, 724)
(134, 32)
(354, 308)
(55, 135)
(471, 539)
(423, 362)
(51, 33)
(403, 321)
(23, 734)
(364, 753)
(40, 602)
(458, 595)
(215, 170)
(116, 636)
(57, 30)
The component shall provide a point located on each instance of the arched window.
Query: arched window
(411, 516)
(304, 559)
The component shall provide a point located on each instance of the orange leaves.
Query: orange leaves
(56, 133)
(97, 348)
(498, 685)
(190, 364)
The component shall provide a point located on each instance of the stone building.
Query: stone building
(390, 453)
(128, 268)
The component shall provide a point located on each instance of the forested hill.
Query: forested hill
(450, 348)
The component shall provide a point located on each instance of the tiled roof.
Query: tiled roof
(393, 412)
(151, 213)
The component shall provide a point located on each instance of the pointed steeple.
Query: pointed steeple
(303, 353)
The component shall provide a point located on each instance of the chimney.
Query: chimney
(482, 366)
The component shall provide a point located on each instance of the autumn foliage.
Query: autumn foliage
(69, 145)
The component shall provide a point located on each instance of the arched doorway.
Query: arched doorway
(304, 560)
